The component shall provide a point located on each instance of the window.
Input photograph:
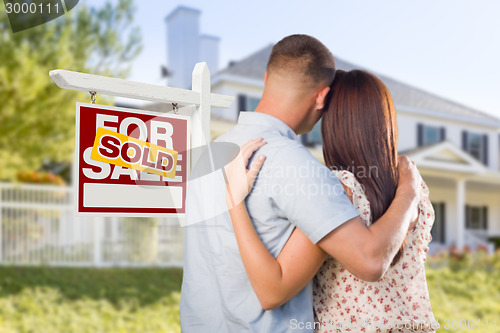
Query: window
(313, 138)
(476, 145)
(430, 134)
(438, 228)
(476, 217)
(247, 103)
(252, 103)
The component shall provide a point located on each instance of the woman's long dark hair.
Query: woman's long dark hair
(360, 135)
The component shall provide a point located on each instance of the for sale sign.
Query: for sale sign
(130, 162)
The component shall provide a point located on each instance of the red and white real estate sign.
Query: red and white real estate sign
(130, 162)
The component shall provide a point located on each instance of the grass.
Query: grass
(42, 299)
(76, 300)
(465, 291)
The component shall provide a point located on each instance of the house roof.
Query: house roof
(253, 66)
(404, 95)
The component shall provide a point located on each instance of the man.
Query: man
(293, 190)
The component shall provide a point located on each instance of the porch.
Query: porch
(465, 195)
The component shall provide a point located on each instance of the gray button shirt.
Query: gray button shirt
(292, 190)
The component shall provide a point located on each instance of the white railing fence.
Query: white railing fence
(475, 238)
(38, 226)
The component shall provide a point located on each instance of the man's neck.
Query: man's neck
(281, 110)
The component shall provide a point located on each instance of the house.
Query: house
(456, 148)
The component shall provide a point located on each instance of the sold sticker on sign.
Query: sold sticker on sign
(125, 151)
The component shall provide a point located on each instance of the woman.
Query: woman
(360, 146)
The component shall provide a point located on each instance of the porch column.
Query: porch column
(460, 213)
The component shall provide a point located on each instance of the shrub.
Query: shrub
(40, 178)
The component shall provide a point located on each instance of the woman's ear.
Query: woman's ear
(320, 98)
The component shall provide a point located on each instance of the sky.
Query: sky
(448, 47)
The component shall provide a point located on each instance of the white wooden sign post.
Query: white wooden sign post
(200, 97)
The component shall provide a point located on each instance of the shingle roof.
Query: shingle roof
(254, 66)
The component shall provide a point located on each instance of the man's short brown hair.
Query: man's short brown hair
(304, 55)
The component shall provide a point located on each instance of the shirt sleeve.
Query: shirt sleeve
(308, 193)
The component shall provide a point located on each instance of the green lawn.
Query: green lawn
(89, 300)
(465, 291)
(42, 299)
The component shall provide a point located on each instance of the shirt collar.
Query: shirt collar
(265, 120)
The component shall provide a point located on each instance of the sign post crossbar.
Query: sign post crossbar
(199, 96)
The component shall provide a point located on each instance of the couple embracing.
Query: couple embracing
(283, 243)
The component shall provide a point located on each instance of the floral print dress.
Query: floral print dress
(399, 302)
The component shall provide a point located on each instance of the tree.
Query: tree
(37, 118)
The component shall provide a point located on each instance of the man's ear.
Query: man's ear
(320, 98)
(265, 77)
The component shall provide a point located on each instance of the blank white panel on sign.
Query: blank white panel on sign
(117, 195)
